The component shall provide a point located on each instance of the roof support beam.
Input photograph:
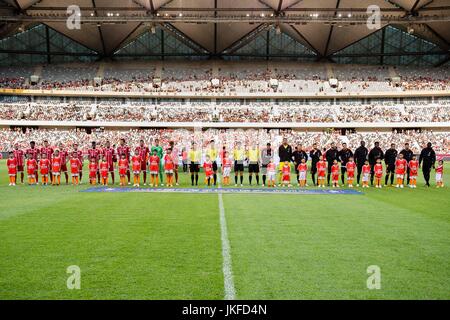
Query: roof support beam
(383, 37)
(215, 28)
(437, 35)
(47, 41)
(319, 55)
(111, 52)
(99, 28)
(280, 5)
(182, 37)
(415, 5)
(331, 30)
(245, 39)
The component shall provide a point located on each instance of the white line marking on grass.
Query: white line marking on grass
(230, 291)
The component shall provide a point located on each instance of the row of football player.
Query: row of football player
(99, 172)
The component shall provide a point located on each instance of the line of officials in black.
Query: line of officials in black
(427, 159)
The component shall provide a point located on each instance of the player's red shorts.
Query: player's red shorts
(111, 167)
(143, 166)
(286, 177)
(20, 168)
(64, 167)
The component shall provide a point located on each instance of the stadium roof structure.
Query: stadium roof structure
(334, 30)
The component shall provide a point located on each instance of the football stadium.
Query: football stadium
(224, 150)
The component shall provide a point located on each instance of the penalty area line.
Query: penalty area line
(230, 291)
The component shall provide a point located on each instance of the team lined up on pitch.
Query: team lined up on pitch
(51, 163)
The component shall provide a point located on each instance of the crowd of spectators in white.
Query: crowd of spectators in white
(308, 78)
(314, 112)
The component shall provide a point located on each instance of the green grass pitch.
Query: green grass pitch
(168, 246)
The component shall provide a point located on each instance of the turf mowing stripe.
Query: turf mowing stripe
(230, 292)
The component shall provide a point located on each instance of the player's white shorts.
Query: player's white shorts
(168, 171)
(302, 175)
(350, 178)
(136, 172)
(226, 171)
(74, 174)
(56, 173)
(412, 177)
(400, 176)
(439, 177)
(154, 172)
(271, 176)
(365, 177)
(12, 175)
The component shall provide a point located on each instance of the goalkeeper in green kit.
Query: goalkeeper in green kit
(159, 152)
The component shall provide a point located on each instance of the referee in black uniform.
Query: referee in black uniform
(427, 159)
(315, 155)
(389, 158)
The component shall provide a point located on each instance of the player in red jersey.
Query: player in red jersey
(321, 171)
(104, 168)
(95, 153)
(110, 156)
(93, 169)
(413, 166)
(33, 152)
(154, 169)
(56, 168)
(31, 169)
(169, 167)
(350, 168)
(378, 172)
(75, 168)
(143, 152)
(302, 169)
(286, 174)
(47, 150)
(79, 155)
(400, 170)
(11, 163)
(209, 172)
(136, 168)
(335, 174)
(19, 156)
(44, 165)
(63, 154)
(440, 174)
(124, 149)
(123, 169)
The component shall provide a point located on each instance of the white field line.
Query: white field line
(230, 291)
